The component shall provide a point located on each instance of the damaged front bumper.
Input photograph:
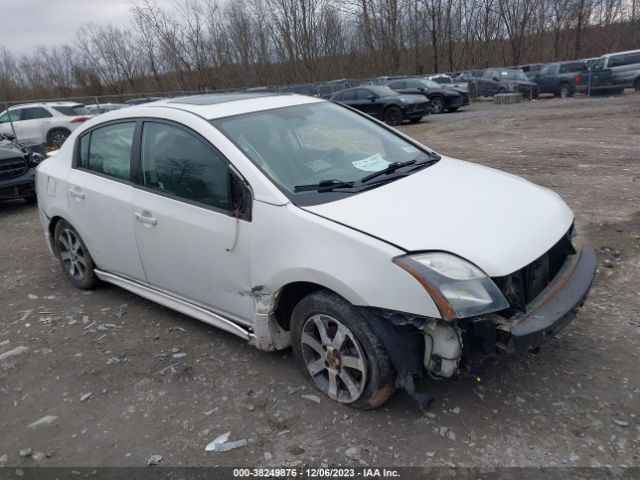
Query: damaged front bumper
(554, 308)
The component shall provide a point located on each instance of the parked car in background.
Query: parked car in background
(440, 98)
(384, 103)
(48, 123)
(563, 79)
(448, 82)
(468, 75)
(616, 70)
(531, 69)
(386, 261)
(97, 109)
(505, 80)
(17, 170)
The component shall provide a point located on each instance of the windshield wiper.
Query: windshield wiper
(323, 186)
(392, 167)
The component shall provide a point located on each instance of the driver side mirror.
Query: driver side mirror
(371, 97)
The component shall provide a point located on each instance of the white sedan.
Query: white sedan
(293, 221)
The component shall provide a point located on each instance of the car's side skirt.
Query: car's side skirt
(175, 303)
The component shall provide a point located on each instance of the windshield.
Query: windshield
(383, 91)
(513, 75)
(308, 144)
(430, 83)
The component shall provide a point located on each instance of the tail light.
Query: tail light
(578, 79)
(80, 119)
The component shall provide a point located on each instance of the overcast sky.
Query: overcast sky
(25, 24)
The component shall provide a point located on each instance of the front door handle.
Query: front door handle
(146, 218)
(76, 193)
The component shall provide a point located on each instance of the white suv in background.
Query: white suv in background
(43, 123)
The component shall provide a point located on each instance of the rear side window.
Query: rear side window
(34, 113)
(345, 96)
(623, 60)
(399, 85)
(72, 111)
(107, 150)
(177, 162)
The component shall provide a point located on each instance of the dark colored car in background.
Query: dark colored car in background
(505, 80)
(440, 98)
(385, 104)
(17, 170)
(563, 79)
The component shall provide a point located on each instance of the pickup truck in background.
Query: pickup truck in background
(563, 79)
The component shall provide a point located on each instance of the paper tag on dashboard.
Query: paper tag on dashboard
(374, 163)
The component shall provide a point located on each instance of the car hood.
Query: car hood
(496, 220)
(9, 150)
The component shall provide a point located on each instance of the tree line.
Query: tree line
(219, 44)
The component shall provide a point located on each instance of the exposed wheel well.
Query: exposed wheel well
(52, 225)
(289, 297)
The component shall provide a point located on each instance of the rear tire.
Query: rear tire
(326, 332)
(393, 116)
(565, 91)
(57, 136)
(74, 257)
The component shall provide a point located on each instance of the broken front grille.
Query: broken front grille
(12, 167)
(523, 286)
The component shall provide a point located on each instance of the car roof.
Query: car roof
(218, 105)
(620, 53)
(46, 104)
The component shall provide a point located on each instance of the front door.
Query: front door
(190, 241)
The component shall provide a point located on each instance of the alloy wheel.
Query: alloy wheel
(334, 358)
(72, 254)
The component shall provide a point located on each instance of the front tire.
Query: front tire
(74, 257)
(339, 353)
(437, 105)
(393, 116)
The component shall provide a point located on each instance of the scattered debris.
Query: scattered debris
(620, 423)
(154, 460)
(3, 459)
(37, 456)
(221, 444)
(13, 353)
(179, 355)
(209, 412)
(267, 456)
(32, 296)
(353, 452)
(46, 420)
(26, 452)
(85, 396)
(313, 398)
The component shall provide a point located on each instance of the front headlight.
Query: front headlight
(458, 288)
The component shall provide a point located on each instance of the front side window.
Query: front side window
(305, 145)
(11, 116)
(107, 150)
(176, 162)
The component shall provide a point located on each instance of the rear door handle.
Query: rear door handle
(146, 218)
(76, 193)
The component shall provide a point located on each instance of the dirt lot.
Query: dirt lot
(103, 363)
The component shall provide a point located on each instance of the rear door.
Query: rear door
(191, 241)
(33, 125)
(99, 191)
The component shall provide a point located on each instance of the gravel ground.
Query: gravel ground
(103, 371)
